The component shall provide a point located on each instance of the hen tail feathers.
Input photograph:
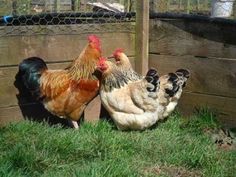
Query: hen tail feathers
(184, 74)
(178, 80)
(173, 79)
(152, 78)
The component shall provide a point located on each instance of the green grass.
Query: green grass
(36, 149)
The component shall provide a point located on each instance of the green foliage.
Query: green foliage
(36, 149)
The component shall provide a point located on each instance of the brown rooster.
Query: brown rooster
(66, 92)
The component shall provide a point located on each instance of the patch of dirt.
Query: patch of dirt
(223, 138)
(173, 171)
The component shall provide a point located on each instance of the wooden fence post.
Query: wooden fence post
(57, 4)
(188, 7)
(153, 6)
(206, 5)
(73, 5)
(234, 10)
(198, 5)
(14, 7)
(77, 5)
(127, 5)
(142, 36)
(167, 5)
(83, 5)
(180, 5)
(28, 7)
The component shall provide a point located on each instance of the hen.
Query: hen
(66, 92)
(179, 84)
(170, 84)
(132, 105)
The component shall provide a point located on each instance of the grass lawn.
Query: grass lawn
(173, 148)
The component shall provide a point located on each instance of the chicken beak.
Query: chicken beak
(110, 57)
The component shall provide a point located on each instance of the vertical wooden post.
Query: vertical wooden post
(167, 5)
(74, 5)
(198, 5)
(127, 5)
(46, 9)
(29, 7)
(83, 5)
(14, 7)
(206, 5)
(188, 7)
(142, 36)
(57, 4)
(234, 10)
(77, 6)
(152, 6)
(180, 5)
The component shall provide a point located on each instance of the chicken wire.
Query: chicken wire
(30, 17)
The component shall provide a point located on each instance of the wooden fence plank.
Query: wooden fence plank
(58, 47)
(14, 116)
(180, 37)
(93, 110)
(208, 75)
(225, 107)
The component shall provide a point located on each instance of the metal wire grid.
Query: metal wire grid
(30, 17)
(51, 17)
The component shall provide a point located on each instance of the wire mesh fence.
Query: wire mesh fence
(28, 17)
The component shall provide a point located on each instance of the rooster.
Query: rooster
(132, 105)
(66, 92)
(170, 84)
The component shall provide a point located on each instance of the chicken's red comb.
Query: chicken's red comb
(117, 51)
(102, 60)
(93, 38)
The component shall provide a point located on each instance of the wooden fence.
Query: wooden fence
(208, 49)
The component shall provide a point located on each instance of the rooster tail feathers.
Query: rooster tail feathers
(153, 78)
(30, 71)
